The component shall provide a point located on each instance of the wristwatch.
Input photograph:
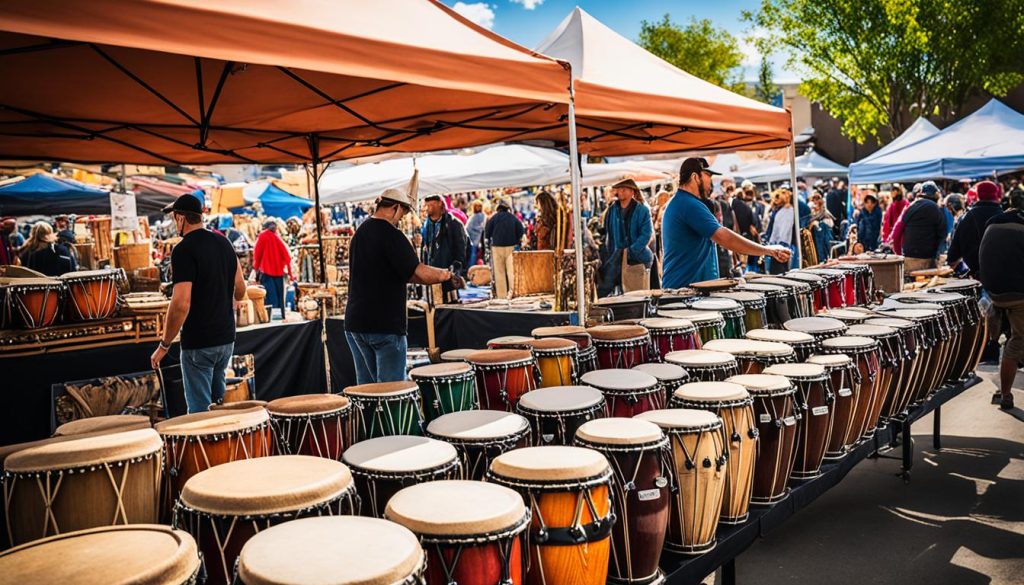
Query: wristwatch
(164, 347)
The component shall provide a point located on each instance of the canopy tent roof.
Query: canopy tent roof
(276, 202)
(153, 194)
(222, 81)
(989, 140)
(629, 101)
(810, 164)
(45, 194)
(918, 131)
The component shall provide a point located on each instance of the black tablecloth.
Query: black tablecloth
(462, 328)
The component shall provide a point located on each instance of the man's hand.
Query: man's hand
(157, 357)
(779, 253)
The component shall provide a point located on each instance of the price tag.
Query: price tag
(789, 421)
(845, 392)
(765, 418)
(819, 410)
(648, 495)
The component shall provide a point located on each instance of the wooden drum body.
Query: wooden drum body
(627, 392)
(814, 400)
(503, 376)
(843, 381)
(754, 307)
(445, 388)
(557, 361)
(30, 303)
(889, 360)
(865, 355)
(554, 414)
(775, 409)
(710, 324)
(385, 409)
(780, 304)
(92, 294)
(312, 424)
(668, 335)
(621, 346)
(704, 365)
(669, 376)
(481, 435)
(753, 356)
(803, 344)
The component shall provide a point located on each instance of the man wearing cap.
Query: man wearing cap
(627, 232)
(921, 230)
(207, 281)
(272, 262)
(691, 232)
(444, 238)
(869, 222)
(504, 231)
(968, 233)
(381, 263)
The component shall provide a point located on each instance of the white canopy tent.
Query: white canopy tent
(811, 164)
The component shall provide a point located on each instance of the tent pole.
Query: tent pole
(793, 190)
(314, 155)
(577, 214)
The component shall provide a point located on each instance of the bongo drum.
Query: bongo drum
(556, 360)
(384, 465)
(481, 435)
(699, 457)
(731, 310)
(503, 376)
(814, 400)
(865, 354)
(510, 342)
(91, 294)
(804, 344)
(625, 307)
(669, 376)
(385, 408)
(445, 387)
(224, 506)
(835, 286)
(30, 303)
(628, 392)
(621, 346)
(800, 294)
(819, 291)
(137, 553)
(888, 339)
(668, 335)
(733, 404)
(104, 424)
(753, 356)
(843, 378)
(343, 550)
(863, 282)
(555, 413)
(754, 307)
(240, 405)
(704, 365)
(906, 355)
(456, 355)
(775, 409)
(474, 533)
(777, 300)
(198, 441)
(568, 492)
(820, 327)
(706, 287)
(641, 492)
(710, 324)
(311, 424)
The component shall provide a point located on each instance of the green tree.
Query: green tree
(766, 90)
(699, 48)
(877, 65)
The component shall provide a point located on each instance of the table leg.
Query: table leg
(729, 572)
(937, 428)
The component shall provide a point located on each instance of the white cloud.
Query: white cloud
(479, 12)
(528, 4)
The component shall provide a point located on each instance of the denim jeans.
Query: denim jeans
(202, 372)
(379, 357)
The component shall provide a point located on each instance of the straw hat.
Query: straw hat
(399, 196)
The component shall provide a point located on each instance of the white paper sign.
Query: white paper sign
(123, 216)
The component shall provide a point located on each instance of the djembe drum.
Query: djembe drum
(510, 342)
(814, 399)
(669, 376)
(556, 361)
(732, 311)
(819, 289)
(587, 356)
(503, 376)
(240, 405)
(753, 356)
(777, 302)
(865, 354)
(705, 365)
(384, 409)
(820, 327)
(848, 316)
(445, 388)
(835, 286)
(481, 435)
(621, 346)
(668, 335)
(103, 424)
(710, 324)
(860, 283)
(312, 424)
(555, 413)
(706, 287)
(803, 344)
(625, 307)
(456, 355)
(799, 295)
(754, 306)
(30, 303)
(628, 392)
(775, 409)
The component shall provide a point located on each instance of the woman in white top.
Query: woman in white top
(782, 227)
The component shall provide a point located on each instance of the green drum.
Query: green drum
(733, 311)
(445, 388)
(385, 409)
(710, 324)
(754, 307)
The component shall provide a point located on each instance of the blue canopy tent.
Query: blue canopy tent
(988, 141)
(275, 202)
(45, 194)
(865, 170)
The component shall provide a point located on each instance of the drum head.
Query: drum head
(442, 370)
(844, 314)
(399, 454)
(331, 549)
(663, 372)
(780, 336)
(382, 389)
(707, 286)
(616, 332)
(744, 297)
(509, 340)
(499, 356)
(558, 331)
(666, 323)
(783, 282)
(478, 425)
(562, 398)
(619, 431)
(158, 554)
(552, 463)
(762, 287)
(85, 451)
(711, 392)
(618, 379)
(849, 342)
(699, 358)
(266, 485)
(716, 304)
(104, 424)
(215, 422)
(308, 404)
(456, 508)
(698, 318)
(891, 322)
(814, 325)
(912, 314)
(457, 355)
(619, 300)
(933, 297)
(762, 383)
(892, 304)
(805, 277)
(797, 371)
(870, 331)
(89, 274)
(682, 419)
(749, 347)
(240, 405)
(552, 344)
(831, 360)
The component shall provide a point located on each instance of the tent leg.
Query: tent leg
(314, 152)
(577, 215)
(796, 196)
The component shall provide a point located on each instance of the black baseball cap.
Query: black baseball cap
(695, 164)
(186, 203)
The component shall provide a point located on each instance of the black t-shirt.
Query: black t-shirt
(381, 262)
(744, 217)
(208, 261)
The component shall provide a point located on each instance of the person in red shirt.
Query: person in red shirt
(272, 262)
(893, 212)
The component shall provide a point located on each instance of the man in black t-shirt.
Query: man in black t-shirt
(746, 223)
(207, 280)
(381, 262)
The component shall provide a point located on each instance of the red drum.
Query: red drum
(480, 435)
(847, 316)
(814, 423)
(906, 356)
(628, 392)
(573, 332)
(819, 288)
(704, 365)
(863, 282)
(670, 376)
(30, 303)
(775, 409)
(802, 296)
(625, 307)
(503, 376)
(311, 424)
(710, 324)
(820, 327)
(779, 302)
(668, 335)
(621, 346)
(888, 339)
(92, 294)
(865, 354)
(510, 342)
(844, 377)
(804, 344)
(835, 286)
(753, 356)
(554, 414)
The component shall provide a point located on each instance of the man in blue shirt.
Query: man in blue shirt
(691, 231)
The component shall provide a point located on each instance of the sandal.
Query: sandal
(1007, 402)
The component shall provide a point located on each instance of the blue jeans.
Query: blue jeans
(202, 373)
(379, 357)
(275, 291)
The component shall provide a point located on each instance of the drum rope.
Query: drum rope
(119, 509)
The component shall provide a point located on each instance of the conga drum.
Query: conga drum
(733, 404)
(706, 287)
(554, 414)
(804, 344)
(669, 376)
(224, 506)
(668, 335)
(886, 270)
(556, 361)
(843, 379)
(113, 423)
(503, 376)
(777, 302)
(510, 342)
(753, 356)
(754, 307)
(85, 482)
(775, 409)
(906, 373)
(625, 307)
(819, 290)
(456, 355)
(930, 346)
(198, 441)
(847, 316)
(136, 553)
(976, 330)
(732, 311)
(568, 491)
(641, 492)
(835, 286)
(311, 424)
(799, 294)
(814, 425)
(699, 457)
(445, 387)
(586, 359)
(473, 532)
(30, 303)
(628, 392)
(710, 324)
(621, 346)
(955, 320)
(860, 282)
(820, 327)
(865, 354)
(384, 465)
(705, 365)
(383, 409)
(888, 339)
(343, 550)
(480, 435)
(91, 294)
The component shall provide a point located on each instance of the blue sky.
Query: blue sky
(527, 22)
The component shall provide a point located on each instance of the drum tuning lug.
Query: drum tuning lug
(707, 462)
(753, 433)
(778, 423)
(660, 482)
(689, 465)
(630, 486)
(735, 437)
(542, 535)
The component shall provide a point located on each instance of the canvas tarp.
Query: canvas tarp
(45, 194)
(275, 201)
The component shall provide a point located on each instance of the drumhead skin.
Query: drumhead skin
(668, 323)
(550, 464)
(618, 379)
(136, 554)
(891, 304)
(552, 344)
(912, 314)
(86, 450)
(832, 360)
(849, 342)
(457, 508)
(749, 347)
(814, 324)
(843, 314)
(682, 419)
(663, 372)
(442, 370)
(214, 422)
(797, 371)
(382, 388)
(893, 322)
(783, 282)
(240, 405)
(99, 424)
(619, 431)
(716, 304)
(780, 336)
(308, 404)
(762, 383)
(866, 330)
(616, 332)
(619, 300)
(699, 357)
(455, 355)
(478, 425)
(711, 392)
(499, 356)
(266, 485)
(88, 274)
(560, 330)
(399, 453)
(561, 398)
(697, 318)
(350, 550)
(506, 339)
